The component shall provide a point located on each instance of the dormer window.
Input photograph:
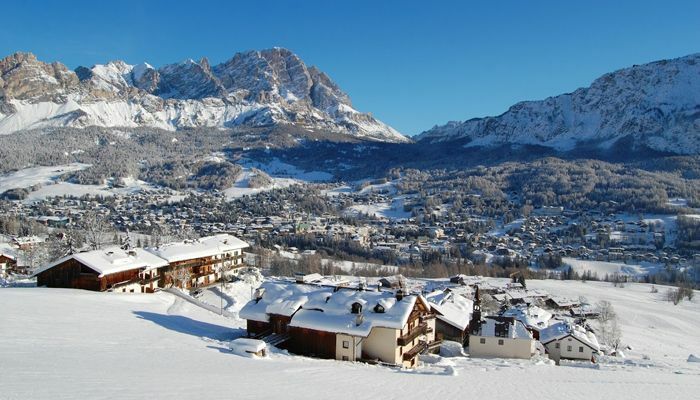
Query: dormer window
(379, 309)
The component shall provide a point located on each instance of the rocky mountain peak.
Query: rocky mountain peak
(654, 105)
(255, 88)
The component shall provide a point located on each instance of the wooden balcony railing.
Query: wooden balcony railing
(421, 329)
(417, 349)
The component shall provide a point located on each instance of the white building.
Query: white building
(503, 337)
(569, 341)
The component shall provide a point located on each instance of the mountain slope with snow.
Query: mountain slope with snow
(256, 88)
(167, 348)
(654, 106)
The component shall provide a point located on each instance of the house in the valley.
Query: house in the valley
(343, 323)
(9, 258)
(569, 341)
(109, 269)
(199, 262)
(453, 312)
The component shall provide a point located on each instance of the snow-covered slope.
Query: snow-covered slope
(255, 88)
(657, 105)
(162, 347)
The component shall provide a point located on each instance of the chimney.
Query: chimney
(399, 295)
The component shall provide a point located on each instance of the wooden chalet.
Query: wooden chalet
(8, 263)
(109, 269)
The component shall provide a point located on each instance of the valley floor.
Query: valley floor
(67, 344)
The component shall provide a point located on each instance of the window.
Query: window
(345, 358)
(580, 349)
(346, 344)
(568, 348)
(482, 340)
(500, 342)
(556, 345)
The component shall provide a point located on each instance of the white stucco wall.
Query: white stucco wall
(354, 350)
(511, 348)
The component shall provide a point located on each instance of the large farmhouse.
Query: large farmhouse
(112, 269)
(184, 264)
(343, 323)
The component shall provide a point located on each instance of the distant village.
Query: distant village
(423, 238)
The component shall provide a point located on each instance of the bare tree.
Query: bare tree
(96, 229)
(180, 277)
(609, 331)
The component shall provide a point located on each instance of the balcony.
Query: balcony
(417, 349)
(421, 329)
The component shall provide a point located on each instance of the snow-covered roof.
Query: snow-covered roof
(561, 330)
(532, 316)
(282, 298)
(113, 259)
(203, 247)
(516, 329)
(322, 308)
(8, 251)
(452, 308)
(334, 314)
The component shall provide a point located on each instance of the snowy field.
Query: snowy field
(283, 175)
(393, 210)
(68, 344)
(27, 177)
(602, 268)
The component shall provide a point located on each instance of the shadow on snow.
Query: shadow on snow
(189, 326)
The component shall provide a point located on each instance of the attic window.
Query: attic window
(379, 309)
(356, 308)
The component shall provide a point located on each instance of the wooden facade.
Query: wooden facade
(72, 274)
(203, 271)
(313, 343)
(10, 264)
(445, 331)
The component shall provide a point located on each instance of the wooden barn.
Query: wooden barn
(109, 269)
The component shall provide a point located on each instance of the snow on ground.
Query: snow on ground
(652, 326)
(66, 344)
(280, 169)
(130, 185)
(50, 185)
(27, 177)
(242, 187)
(393, 210)
(282, 174)
(507, 228)
(602, 268)
(677, 202)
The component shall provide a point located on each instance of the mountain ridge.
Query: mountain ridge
(253, 88)
(656, 104)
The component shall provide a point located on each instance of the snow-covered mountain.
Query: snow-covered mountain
(254, 88)
(655, 105)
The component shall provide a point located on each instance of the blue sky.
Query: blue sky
(412, 64)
